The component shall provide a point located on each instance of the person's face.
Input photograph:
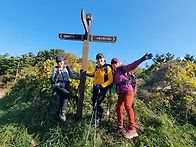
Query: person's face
(60, 64)
(100, 61)
(115, 65)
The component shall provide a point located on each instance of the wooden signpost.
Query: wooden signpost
(87, 38)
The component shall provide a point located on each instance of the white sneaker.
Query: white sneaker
(131, 133)
(62, 116)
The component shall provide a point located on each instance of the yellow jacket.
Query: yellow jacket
(99, 75)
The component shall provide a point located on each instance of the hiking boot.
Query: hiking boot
(131, 133)
(62, 116)
(119, 131)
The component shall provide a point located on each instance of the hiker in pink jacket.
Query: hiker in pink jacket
(125, 93)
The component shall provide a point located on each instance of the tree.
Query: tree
(169, 57)
(189, 58)
(48, 54)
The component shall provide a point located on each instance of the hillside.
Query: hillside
(164, 107)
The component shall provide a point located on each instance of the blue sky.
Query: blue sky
(156, 26)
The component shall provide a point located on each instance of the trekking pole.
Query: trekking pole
(95, 120)
(94, 114)
(109, 104)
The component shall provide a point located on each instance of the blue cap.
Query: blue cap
(59, 58)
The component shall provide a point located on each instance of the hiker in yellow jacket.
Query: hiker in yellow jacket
(103, 78)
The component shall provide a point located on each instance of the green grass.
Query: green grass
(15, 135)
(27, 121)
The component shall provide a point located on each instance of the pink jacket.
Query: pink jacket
(118, 76)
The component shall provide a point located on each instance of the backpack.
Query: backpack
(132, 79)
(67, 83)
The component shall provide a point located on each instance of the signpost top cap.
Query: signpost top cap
(99, 55)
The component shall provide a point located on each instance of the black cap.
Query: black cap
(59, 58)
(99, 55)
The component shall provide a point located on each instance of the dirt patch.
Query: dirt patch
(3, 92)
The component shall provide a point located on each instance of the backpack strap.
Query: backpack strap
(68, 69)
(105, 71)
(123, 72)
(106, 77)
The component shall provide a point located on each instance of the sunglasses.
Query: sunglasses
(58, 61)
(114, 62)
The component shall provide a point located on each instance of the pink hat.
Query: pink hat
(114, 60)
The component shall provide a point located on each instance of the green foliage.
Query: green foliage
(161, 129)
(48, 54)
(15, 135)
(8, 68)
(173, 85)
(189, 58)
(164, 111)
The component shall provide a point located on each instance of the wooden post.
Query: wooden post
(84, 64)
(87, 38)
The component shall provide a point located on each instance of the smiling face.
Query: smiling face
(115, 65)
(100, 61)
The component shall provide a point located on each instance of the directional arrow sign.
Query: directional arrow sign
(78, 37)
(103, 38)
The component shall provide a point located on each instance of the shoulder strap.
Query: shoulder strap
(68, 69)
(123, 72)
(106, 69)
(106, 72)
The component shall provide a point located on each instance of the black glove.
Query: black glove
(147, 56)
(82, 71)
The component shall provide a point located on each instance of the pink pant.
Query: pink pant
(126, 100)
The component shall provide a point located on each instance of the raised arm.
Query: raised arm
(133, 65)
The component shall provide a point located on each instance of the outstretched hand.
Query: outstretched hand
(147, 56)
